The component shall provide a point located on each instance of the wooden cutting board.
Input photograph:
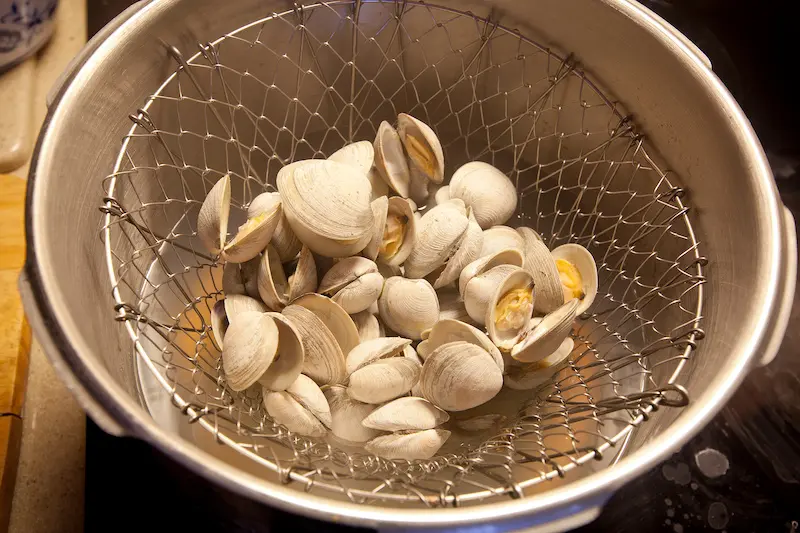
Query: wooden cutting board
(15, 336)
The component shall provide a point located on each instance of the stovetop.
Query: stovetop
(741, 473)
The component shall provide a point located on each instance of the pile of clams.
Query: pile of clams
(368, 299)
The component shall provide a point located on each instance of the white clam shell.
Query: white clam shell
(224, 312)
(447, 331)
(302, 408)
(288, 362)
(418, 187)
(379, 187)
(394, 207)
(408, 306)
(540, 263)
(499, 238)
(212, 221)
(390, 161)
(489, 192)
(370, 351)
(439, 233)
(410, 446)
(347, 415)
(354, 283)
(241, 278)
(275, 288)
(368, 326)
(327, 205)
(546, 337)
(283, 238)
(482, 288)
(442, 195)
(459, 375)
(468, 250)
(380, 211)
(506, 339)
(585, 263)
(508, 256)
(253, 236)
(335, 319)
(409, 128)
(324, 360)
(410, 413)
(251, 343)
(358, 154)
(531, 375)
(452, 306)
(383, 380)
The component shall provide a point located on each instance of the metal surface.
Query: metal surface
(570, 209)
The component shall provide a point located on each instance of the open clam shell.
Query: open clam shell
(508, 256)
(302, 408)
(359, 154)
(327, 205)
(439, 234)
(383, 380)
(546, 337)
(410, 446)
(251, 343)
(347, 415)
(335, 319)
(225, 311)
(354, 283)
(241, 278)
(403, 414)
(377, 349)
(531, 375)
(368, 326)
(390, 161)
(571, 259)
(510, 309)
(418, 187)
(408, 306)
(380, 212)
(482, 288)
(288, 362)
(447, 331)
(275, 288)
(540, 263)
(283, 238)
(489, 192)
(460, 375)
(395, 231)
(253, 236)
(422, 146)
(468, 250)
(499, 238)
(324, 361)
(212, 221)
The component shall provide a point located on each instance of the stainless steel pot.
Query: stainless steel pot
(745, 235)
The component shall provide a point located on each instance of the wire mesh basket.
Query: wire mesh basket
(302, 83)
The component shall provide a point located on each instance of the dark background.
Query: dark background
(752, 45)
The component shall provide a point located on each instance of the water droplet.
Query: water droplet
(712, 463)
(670, 512)
(678, 473)
(668, 501)
(677, 528)
(718, 515)
(668, 521)
(685, 516)
(694, 486)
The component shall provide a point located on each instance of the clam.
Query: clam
(390, 161)
(441, 195)
(424, 349)
(410, 446)
(531, 375)
(241, 278)
(324, 360)
(422, 146)
(578, 273)
(212, 221)
(447, 331)
(439, 234)
(539, 262)
(418, 187)
(395, 230)
(460, 375)
(480, 266)
(452, 306)
(368, 326)
(468, 250)
(283, 238)
(499, 238)
(302, 408)
(327, 205)
(484, 188)
(403, 414)
(510, 309)
(251, 343)
(359, 154)
(480, 290)
(383, 380)
(335, 319)
(275, 288)
(347, 415)
(545, 337)
(408, 306)
(288, 362)
(224, 312)
(354, 283)
(253, 236)
(375, 350)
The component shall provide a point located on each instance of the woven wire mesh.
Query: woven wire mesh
(303, 83)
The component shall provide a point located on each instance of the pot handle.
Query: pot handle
(42, 332)
(786, 289)
(89, 48)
